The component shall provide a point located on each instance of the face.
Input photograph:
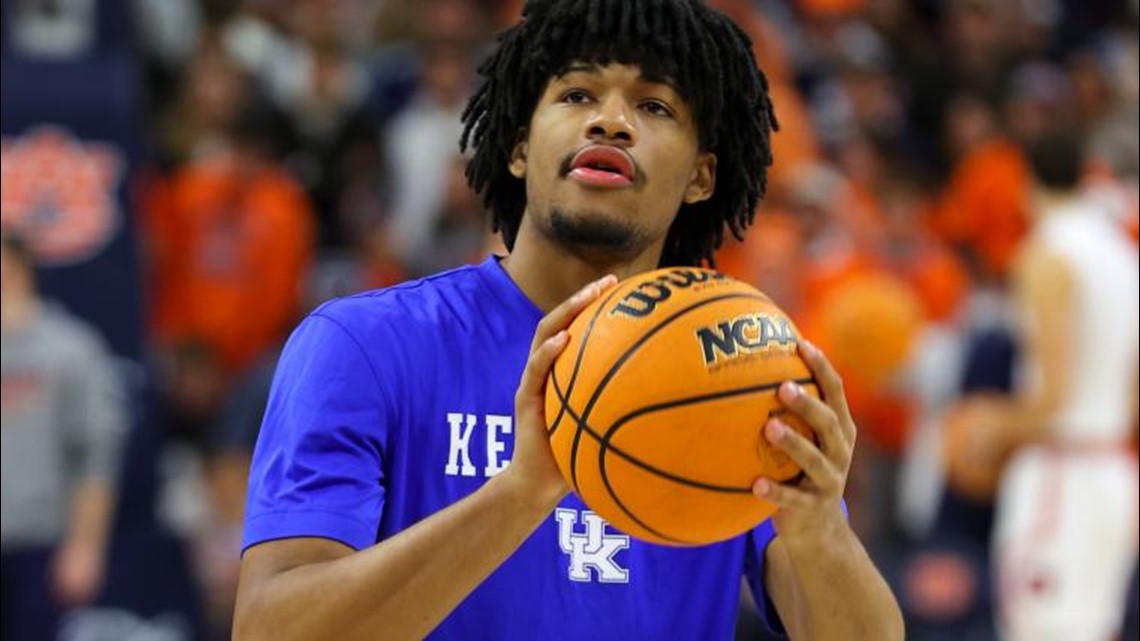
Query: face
(608, 159)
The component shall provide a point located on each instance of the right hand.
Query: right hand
(533, 466)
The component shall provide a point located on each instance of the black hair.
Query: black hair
(1056, 157)
(706, 56)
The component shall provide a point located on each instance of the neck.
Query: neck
(549, 273)
(17, 310)
(1048, 201)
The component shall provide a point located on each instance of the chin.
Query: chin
(592, 229)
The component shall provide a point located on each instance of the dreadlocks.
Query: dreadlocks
(706, 55)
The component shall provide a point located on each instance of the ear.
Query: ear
(702, 181)
(517, 166)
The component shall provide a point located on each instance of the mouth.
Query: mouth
(602, 166)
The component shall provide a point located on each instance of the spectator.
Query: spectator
(64, 418)
(420, 144)
(229, 228)
(231, 235)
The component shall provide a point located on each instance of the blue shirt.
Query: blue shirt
(389, 406)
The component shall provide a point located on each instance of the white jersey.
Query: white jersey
(1105, 344)
(1065, 528)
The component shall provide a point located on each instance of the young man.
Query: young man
(1065, 520)
(609, 137)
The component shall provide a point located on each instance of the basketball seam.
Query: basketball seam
(603, 440)
(654, 470)
(626, 356)
(605, 446)
(577, 363)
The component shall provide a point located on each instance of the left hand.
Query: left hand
(77, 572)
(810, 508)
(978, 436)
(990, 431)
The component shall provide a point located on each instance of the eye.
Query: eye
(575, 97)
(656, 108)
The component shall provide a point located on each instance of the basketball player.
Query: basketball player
(609, 137)
(1065, 529)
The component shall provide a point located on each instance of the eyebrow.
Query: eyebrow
(596, 68)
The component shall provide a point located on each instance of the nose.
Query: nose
(612, 121)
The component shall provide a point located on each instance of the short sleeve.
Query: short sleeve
(757, 545)
(95, 410)
(318, 466)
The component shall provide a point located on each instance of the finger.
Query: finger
(783, 495)
(560, 317)
(532, 386)
(831, 384)
(820, 416)
(819, 470)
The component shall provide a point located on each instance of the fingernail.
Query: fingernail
(776, 429)
(560, 337)
(791, 390)
(763, 487)
(809, 348)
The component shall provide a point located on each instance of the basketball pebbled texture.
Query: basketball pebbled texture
(656, 407)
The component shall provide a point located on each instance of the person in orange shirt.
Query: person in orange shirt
(982, 208)
(911, 252)
(228, 233)
(230, 236)
(243, 232)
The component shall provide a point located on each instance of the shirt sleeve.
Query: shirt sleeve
(318, 467)
(757, 546)
(95, 413)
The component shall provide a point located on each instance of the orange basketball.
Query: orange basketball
(656, 407)
(867, 326)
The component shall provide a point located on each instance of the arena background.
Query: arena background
(194, 175)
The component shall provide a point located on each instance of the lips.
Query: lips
(602, 166)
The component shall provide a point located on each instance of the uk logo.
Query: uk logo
(592, 551)
(58, 192)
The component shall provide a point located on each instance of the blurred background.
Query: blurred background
(182, 180)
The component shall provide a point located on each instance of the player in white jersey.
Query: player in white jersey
(1065, 528)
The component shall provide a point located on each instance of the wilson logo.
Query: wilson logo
(744, 335)
(648, 295)
(59, 192)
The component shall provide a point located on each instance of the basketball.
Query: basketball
(656, 407)
(867, 326)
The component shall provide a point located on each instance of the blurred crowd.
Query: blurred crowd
(301, 150)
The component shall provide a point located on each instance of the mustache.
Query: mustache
(567, 164)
